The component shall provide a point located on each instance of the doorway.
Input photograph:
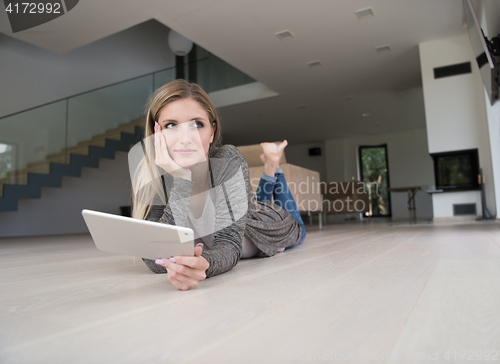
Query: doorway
(374, 169)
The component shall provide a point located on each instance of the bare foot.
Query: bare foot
(272, 156)
(271, 148)
(281, 147)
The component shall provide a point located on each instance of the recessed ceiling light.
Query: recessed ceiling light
(284, 35)
(367, 114)
(364, 13)
(383, 48)
(314, 64)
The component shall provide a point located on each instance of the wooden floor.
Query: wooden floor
(372, 293)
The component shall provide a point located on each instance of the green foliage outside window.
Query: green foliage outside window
(5, 160)
(374, 172)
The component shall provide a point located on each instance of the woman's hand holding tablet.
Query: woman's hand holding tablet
(185, 272)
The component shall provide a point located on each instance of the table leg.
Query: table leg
(411, 206)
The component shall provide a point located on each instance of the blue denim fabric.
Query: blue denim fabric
(277, 187)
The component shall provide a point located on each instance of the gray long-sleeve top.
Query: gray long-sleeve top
(266, 224)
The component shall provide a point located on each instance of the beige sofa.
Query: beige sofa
(344, 197)
(303, 182)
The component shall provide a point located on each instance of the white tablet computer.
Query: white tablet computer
(139, 238)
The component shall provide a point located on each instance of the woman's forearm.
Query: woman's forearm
(226, 251)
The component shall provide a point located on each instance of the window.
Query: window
(6, 159)
(375, 174)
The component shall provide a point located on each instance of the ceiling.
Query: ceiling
(314, 104)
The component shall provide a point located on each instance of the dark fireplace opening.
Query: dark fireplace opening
(456, 170)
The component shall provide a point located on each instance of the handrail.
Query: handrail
(98, 88)
(74, 119)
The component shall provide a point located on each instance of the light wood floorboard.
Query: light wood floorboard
(457, 317)
(356, 289)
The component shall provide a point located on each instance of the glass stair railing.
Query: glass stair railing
(33, 140)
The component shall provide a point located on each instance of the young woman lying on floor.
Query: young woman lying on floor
(187, 178)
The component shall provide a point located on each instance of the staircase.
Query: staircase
(125, 99)
(28, 182)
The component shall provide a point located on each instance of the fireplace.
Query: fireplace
(456, 170)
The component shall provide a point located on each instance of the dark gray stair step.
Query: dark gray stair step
(11, 193)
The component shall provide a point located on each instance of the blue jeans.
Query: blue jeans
(277, 187)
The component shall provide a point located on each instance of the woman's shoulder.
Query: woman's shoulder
(225, 151)
(226, 161)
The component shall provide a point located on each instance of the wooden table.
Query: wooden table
(412, 210)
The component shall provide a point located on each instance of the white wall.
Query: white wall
(299, 155)
(443, 203)
(32, 76)
(455, 114)
(59, 210)
(488, 12)
(335, 163)
(409, 165)
(493, 112)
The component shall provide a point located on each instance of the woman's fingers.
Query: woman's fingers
(162, 158)
(157, 142)
(198, 249)
(158, 149)
(179, 280)
(192, 271)
(197, 262)
(177, 283)
(163, 143)
(185, 272)
(184, 279)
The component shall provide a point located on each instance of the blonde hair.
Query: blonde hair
(146, 181)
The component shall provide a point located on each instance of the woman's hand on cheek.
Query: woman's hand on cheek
(163, 159)
(185, 272)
